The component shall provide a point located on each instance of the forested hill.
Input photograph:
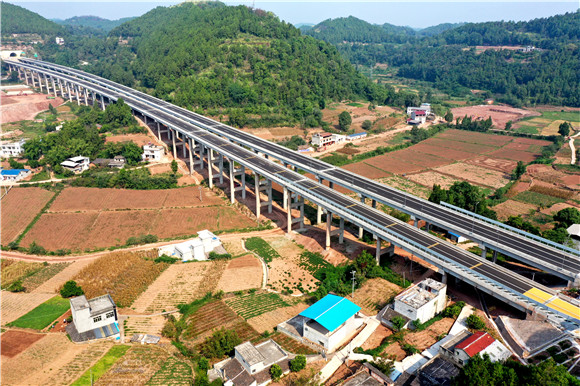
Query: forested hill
(93, 22)
(19, 20)
(243, 64)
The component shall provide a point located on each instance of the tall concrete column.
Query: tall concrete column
(159, 131)
(494, 256)
(319, 208)
(210, 167)
(289, 212)
(39, 82)
(26, 77)
(70, 93)
(221, 169)
(103, 102)
(270, 197)
(86, 94)
(191, 165)
(360, 229)
(183, 148)
(484, 252)
(374, 204)
(444, 277)
(232, 188)
(46, 83)
(243, 178)
(173, 143)
(378, 252)
(76, 87)
(415, 221)
(328, 228)
(257, 192)
(285, 199)
(341, 234)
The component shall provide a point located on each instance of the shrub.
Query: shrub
(475, 322)
(219, 256)
(36, 249)
(16, 286)
(166, 259)
(203, 363)
(298, 363)
(275, 372)
(398, 322)
(453, 310)
(221, 343)
(384, 365)
(70, 289)
(409, 348)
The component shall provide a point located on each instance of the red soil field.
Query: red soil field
(475, 137)
(515, 155)
(450, 154)
(463, 146)
(19, 207)
(78, 199)
(15, 342)
(135, 199)
(229, 219)
(500, 115)
(367, 170)
(139, 139)
(114, 228)
(20, 108)
(183, 222)
(417, 157)
(532, 148)
(189, 196)
(61, 230)
(391, 163)
(502, 165)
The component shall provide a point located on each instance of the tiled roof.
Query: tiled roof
(475, 343)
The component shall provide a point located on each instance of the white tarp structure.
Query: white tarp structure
(193, 249)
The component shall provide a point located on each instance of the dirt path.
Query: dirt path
(571, 143)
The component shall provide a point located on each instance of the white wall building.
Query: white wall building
(194, 249)
(13, 175)
(322, 139)
(338, 138)
(12, 149)
(356, 136)
(466, 345)
(59, 41)
(424, 106)
(152, 152)
(76, 164)
(422, 301)
(93, 314)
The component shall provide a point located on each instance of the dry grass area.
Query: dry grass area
(406, 185)
(359, 113)
(53, 360)
(124, 275)
(500, 115)
(53, 284)
(136, 367)
(512, 208)
(374, 294)
(428, 337)
(286, 274)
(179, 284)
(429, 178)
(13, 270)
(139, 139)
(475, 174)
(269, 320)
(19, 207)
(241, 274)
(14, 305)
(142, 325)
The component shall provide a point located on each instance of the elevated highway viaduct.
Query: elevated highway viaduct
(210, 151)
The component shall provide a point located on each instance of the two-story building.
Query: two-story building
(322, 139)
(12, 149)
(76, 164)
(152, 152)
(466, 345)
(93, 319)
(422, 301)
(426, 107)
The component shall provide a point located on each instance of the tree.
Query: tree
(275, 372)
(438, 194)
(70, 289)
(52, 109)
(398, 322)
(174, 167)
(508, 125)
(475, 322)
(344, 120)
(384, 365)
(219, 344)
(519, 170)
(567, 217)
(449, 116)
(367, 124)
(298, 363)
(564, 129)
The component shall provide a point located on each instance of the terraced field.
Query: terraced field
(255, 304)
(172, 372)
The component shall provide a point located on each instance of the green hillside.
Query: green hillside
(93, 22)
(18, 20)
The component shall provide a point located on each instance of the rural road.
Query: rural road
(571, 143)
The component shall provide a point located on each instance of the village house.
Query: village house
(12, 149)
(322, 139)
(338, 138)
(426, 107)
(356, 136)
(13, 175)
(466, 345)
(76, 164)
(152, 152)
(118, 162)
(93, 319)
(251, 364)
(418, 117)
(59, 41)
(422, 301)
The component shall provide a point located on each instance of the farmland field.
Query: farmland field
(14, 342)
(374, 294)
(135, 367)
(288, 275)
(97, 371)
(61, 230)
(40, 317)
(475, 174)
(13, 271)
(14, 305)
(172, 372)
(537, 199)
(213, 316)
(46, 273)
(254, 304)
(512, 208)
(124, 275)
(430, 178)
(367, 170)
(19, 207)
(548, 123)
(241, 273)
(500, 115)
(268, 320)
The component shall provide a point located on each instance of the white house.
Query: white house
(457, 237)
(76, 164)
(356, 136)
(466, 345)
(59, 41)
(422, 301)
(194, 249)
(250, 364)
(12, 149)
(419, 116)
(424, 106)
(95, 318)
(152, 152)
(330, 321)
(14, 175)
(322, 139)
(338, 138)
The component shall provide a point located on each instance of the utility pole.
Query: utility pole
(200, 198)
(353, 272)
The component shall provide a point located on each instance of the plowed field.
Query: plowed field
(241, 274)
(14, 342)
(19, 207)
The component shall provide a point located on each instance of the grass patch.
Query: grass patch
(172, 372)
(101, 367)
(43, 175)
(312, 261)
(537, 199)
(40, 317)
(262, 248)
(13, 271)
(46, 273)
(254, 304)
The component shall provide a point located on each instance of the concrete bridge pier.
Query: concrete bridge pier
(54, 90)
(221, 166)
(330, 232)
(46, 83)
(191, 150)
(483, 251)
(241, 172)
(319, 208)
(159, 131)
(210, 167)
(494, 256)
(69, 92)
(39, 81)
(378, 251)
(86, 94)
(77, 94)
(26, 77)
(295, 201)
(363, 199)
(231, 175)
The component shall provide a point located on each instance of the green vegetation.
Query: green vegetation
(298, 363)
(385, 366)
(482, 371)
(166, 259)
(70, 289)
(102, 366)
(43, 315)
(143, 239)
(398, 323)
(463, 195)
(18, 20)
(219, 256)
(475, 322)
(293, 142)
(220, 344)
(140, 179)
(93, 22)
(172, 372)
(275, 372)
(537, 199)
(262, 248)
(313, 262)
(344, 121)
(254, 304)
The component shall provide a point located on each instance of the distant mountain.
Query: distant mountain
(93, 22)
(437, 29)
(19, 20)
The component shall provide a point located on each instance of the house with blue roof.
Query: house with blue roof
(356, 136)
(14, 175)
(330, 321)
